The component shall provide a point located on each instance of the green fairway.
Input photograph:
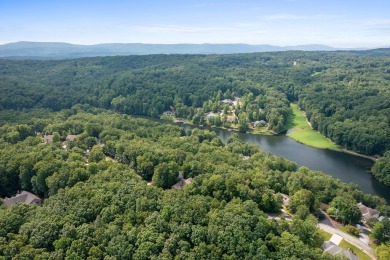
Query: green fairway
(302, 132)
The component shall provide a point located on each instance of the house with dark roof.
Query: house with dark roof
(333, 249)
(22, 197)
(181, 183)
(367, 212)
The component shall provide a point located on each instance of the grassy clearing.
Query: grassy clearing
(303, 133)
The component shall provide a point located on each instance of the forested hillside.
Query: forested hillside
(98, 204)
(345, 94)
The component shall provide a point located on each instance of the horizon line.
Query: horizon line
(203, 43)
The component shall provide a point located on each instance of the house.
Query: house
(48, 138)
(286, 199)
(367, 212)
(259, 123)
(169, 113)
(227, 102)
(333, 249)
(211, 115)
(23, 197)
(230, 119)
(71, 138)
(181, 183)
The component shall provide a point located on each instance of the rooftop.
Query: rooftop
(23, 197)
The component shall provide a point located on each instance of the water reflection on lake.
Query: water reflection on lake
(346, 167)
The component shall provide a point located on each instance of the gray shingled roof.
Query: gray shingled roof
(367, 212)
(333, 249)
(23, 197)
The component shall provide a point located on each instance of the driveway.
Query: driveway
(355, 241)
(324, 219)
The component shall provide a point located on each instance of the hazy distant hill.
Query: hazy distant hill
(66, 50)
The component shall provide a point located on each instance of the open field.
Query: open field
(301, 131)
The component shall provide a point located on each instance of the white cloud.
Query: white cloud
(378, 26)
(179, 29)
(276, 17)
(239, 28)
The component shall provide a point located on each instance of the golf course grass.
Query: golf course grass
(301, 131)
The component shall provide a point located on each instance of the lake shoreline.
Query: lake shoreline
(268, 133)
(360, 155)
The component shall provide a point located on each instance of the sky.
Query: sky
(337, 23)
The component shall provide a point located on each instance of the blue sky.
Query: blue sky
(338, 23)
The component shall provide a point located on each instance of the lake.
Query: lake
(346, 167)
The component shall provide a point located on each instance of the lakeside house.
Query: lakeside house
(169, 113)
(22, 197)
(259, 123)
(230, 118)
(368, 212)
(211, 115)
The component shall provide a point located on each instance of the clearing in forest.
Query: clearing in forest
(300, 130)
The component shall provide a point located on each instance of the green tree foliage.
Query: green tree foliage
(105, 209)
(96, 154)
(344, 94)
(381, 169)
(307, 231)
(381, 231)
(243, 123)
(344, 209)
(165, 175)
(383, 251)
(303, 197)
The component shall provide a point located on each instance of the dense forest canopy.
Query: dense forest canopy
(346, 95)
(67, 135)
(98, 204)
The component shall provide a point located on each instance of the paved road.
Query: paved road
(324, 219)
(327, 226)
(355, 241)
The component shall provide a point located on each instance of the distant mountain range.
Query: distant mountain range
(58, 50)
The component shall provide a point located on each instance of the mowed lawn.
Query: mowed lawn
(304, 134)
(346, 245)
